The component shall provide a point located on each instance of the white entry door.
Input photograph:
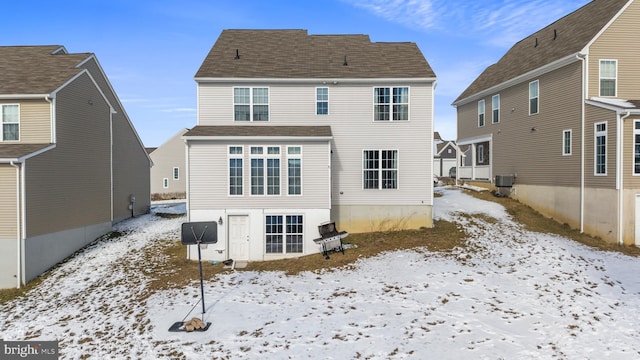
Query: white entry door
(238, 237)
(637, 220)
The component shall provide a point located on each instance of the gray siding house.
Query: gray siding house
(558, 114)
(295, 130)
(71, 163)
(168, 174)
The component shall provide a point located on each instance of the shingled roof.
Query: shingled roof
(565, 37)
(295, 54)
(36, 69)
(259, 131)
(16, 151)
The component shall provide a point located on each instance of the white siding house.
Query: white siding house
(295, 130)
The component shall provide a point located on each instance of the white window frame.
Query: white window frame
(391, 104)
(322, 100)
(380, 170)
(292, 156)
(601, 77)
(567, 143)
(165, 183)
(481, 113)
(265, 156)
(481, 154)
(599, 134)
(176, 173)
(3, 123)
(283, 233)
(636, 146)
(495, 109)
(235, 156)
(535, 97)
(252, 103)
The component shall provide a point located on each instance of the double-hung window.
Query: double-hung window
(636, 147)
(380, 169)
(235, 170)
(566, 142)
(284, 234)
(600, 148)
(251, 104)
(265, 170)
(390, 103)
(176, 173)
(481, 113)
(608, 77)
(294, 170)
(165, 183)
(534, 95)
(495, 109)
(10, 122)
(322, 101)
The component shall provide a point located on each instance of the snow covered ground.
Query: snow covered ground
(511, 294)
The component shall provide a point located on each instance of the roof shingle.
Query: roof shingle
(260, 131)
(36, 69)
(294, 54)
(560, 39)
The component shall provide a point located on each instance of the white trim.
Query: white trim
(322, 81)
(251, 104)
(2, 140)
(493, 109)
(483, 113)
(23, 96)
(536, 73)
(600, 78)
(317, 101)
(537, 97)
(227, 168)
(295, 156)
(596, 134)
(391, 103)
(257, 138)
(475, 139)
(634, 133)
(564, 143)
(173, 173)
(165, 183)
(397, 169)
(28, 156)
(606, 27)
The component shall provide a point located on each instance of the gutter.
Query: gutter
(620, 172)
(18, 245)
(582, 57)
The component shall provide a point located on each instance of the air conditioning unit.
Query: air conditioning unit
(504, 180)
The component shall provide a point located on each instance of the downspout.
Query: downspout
(188, 184)
(582, 57)
(620, 172)
(18, 233)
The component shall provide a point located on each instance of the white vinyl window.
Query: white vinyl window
(608, 77)
(391, 103)
(284, 238)
(480, 154)
(322, 101)
(380, 169)
(176, 173)
(235, 170)
(566, 142)
(265, 170)
(165, 183)
(294, 170)
(534, 95)
(481, 113)
(495, 108)
(636, 147)
(251, 104)
(10, 120)
(600, 143)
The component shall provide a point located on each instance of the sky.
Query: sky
(508, 293)
(151, 49)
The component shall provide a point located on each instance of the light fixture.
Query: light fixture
(220, 220)
(533, 129)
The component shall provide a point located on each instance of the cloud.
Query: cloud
(495, 23)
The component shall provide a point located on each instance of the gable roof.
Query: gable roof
(26, 70)
(565, 37)
(260, 131)
(295, 54)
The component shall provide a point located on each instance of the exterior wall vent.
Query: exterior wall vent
(504, 180)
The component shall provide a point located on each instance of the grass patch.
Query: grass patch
(536, 222)
(177, 271)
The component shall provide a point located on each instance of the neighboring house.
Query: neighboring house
(558, 114)
(444, 158)
(295, 130)
(168, 175)
(71, 163)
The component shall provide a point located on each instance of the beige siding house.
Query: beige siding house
(71, 163)
(168, 174)
(557, 114)
(295, 130)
